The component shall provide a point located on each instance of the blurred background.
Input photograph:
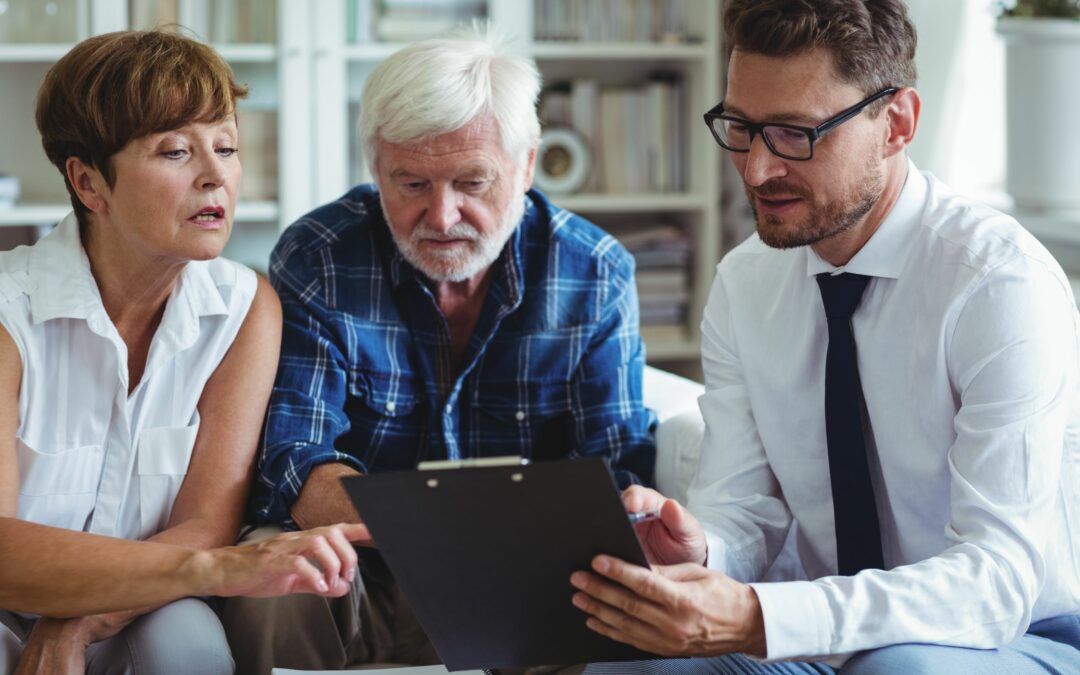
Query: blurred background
(626, 82)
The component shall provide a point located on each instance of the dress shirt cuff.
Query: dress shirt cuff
(797, 621)
(716, 553)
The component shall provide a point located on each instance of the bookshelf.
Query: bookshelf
(305, 84)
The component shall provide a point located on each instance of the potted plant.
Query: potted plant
(1042, 90)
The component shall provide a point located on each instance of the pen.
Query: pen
(642, 516)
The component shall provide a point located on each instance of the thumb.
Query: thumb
(354, 532)
(677, 519)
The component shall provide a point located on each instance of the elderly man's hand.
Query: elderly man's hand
(675, 537)
(677, 610)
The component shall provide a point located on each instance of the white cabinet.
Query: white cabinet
(306, 62)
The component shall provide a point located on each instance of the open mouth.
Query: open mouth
(209, 214)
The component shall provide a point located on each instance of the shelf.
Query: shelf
(640, 202)
(49, 53)
(254, 212)
(33, 52)
(626, 51)
(49, 214)
(33, 214)
(250, 53)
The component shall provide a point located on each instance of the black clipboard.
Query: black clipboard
(484, 556)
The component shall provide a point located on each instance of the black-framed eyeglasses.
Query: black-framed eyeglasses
(789, 141)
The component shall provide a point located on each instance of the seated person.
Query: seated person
(446, 312)
(135, 366)
(889, 366)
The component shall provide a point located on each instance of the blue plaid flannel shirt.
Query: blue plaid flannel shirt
(553, 369)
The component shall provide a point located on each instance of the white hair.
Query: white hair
(438, 86)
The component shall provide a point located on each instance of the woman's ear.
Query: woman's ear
(89, 185)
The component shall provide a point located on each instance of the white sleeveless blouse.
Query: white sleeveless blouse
(90, 456)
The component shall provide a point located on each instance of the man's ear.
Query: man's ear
(89, 185)
(530, 166)
(902, 118)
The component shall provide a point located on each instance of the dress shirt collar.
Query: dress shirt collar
(64, 286)
(885, 253)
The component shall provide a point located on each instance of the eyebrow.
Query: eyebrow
(478, 171)
(783, 118)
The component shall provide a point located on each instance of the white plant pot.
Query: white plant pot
(1042, 112)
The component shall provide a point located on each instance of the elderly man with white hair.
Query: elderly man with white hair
(448, 311)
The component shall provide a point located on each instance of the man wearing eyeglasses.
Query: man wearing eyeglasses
(890, 368)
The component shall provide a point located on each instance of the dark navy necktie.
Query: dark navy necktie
(858, 537)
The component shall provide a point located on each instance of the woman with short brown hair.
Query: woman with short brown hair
(135, 367)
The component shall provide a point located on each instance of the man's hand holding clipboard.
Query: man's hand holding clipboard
(678, 606)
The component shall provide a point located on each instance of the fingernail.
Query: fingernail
(577, 580)
(578, 600)
(601, 564)
(323, 588)
(350, 573)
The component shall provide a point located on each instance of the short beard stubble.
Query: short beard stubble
(823, 221)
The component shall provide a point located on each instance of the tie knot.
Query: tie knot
(841, 293)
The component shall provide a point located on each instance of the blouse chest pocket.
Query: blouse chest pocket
(163, 456)
(59, 487)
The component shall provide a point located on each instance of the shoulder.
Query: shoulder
(327, 226)
(978, 242)
(234, 283)
(15, 274)
(16, 289)
(573, 245)
(340, 233)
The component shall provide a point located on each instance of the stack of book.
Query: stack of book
(407, 20)
(662, 254)
(634, 133)
(242, 21)
(612, 21)
(258, 153)
(217, 21)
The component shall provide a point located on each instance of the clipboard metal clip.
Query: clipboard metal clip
(473, 463)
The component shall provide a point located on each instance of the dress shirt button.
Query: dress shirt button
(449, 408)
(391, 406)
(520, 415)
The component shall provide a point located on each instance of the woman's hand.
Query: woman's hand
(320, 561)
(55, 647)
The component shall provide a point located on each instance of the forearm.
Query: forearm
(323, 500)
(194, 533)
(60, 573)
(964, 597)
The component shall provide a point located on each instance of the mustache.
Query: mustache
(777, 187)
(461, 230)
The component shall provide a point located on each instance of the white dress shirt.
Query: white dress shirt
(967, 341)
(91, 457)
